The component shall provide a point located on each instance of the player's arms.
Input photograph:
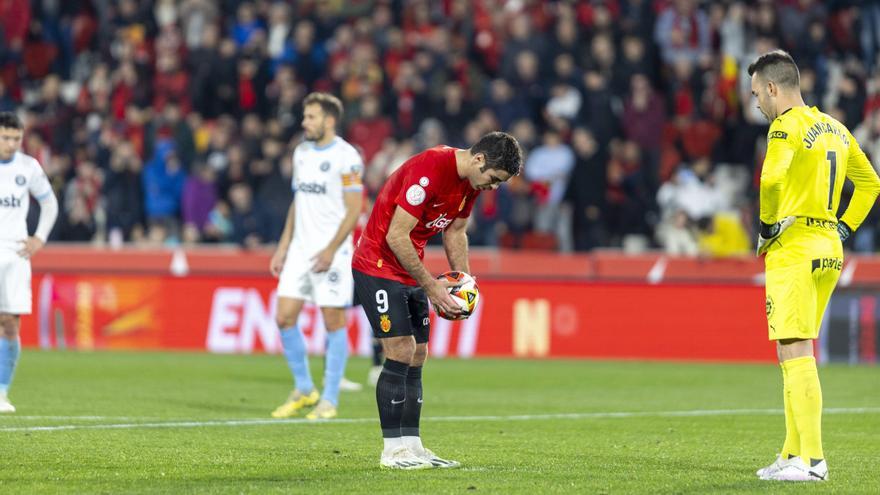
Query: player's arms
(402, 224)
(48, 215)
(863, 175)
(779, 155)
(354, 203)
(277, 262)
(455, 242)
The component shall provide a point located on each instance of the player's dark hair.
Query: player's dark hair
(502, 152)
(9, 120)
(330, 104)
(777, 66)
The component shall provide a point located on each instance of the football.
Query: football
(466, 294)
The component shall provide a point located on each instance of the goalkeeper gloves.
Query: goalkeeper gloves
(843, 231)
(770, 232)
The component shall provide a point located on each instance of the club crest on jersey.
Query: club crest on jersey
(20, 180)
(385, 323)
(424, 182)
(768, 306)
(415, 195)
(333, 277)
(325, 166)
(439, 223)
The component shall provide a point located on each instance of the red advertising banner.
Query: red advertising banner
(515, 318)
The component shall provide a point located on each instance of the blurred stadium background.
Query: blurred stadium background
(166, 128)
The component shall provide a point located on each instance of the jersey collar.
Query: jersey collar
(328, 145)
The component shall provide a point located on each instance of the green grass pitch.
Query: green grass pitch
(198, 423)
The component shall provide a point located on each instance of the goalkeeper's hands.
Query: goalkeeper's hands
(770, 232)
(843, 231)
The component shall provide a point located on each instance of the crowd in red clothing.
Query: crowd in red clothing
(173, 120)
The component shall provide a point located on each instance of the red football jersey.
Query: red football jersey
(428, 187)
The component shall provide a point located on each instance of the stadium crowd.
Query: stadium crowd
(173, 121)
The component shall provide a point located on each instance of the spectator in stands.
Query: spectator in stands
(248, 218)
(84, 190)
(370, 129)
(198, 199)
(682, 32)
(77, 224)
(123, 194)
(586, 191)
(163, 179)
(547, 168)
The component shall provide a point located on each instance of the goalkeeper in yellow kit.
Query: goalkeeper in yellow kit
(809, 155)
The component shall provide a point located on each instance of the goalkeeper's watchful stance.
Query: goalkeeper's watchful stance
(808, 156)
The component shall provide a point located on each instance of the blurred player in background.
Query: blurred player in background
(21, 177)
(809, 154)
(431, 192)
(313, 258)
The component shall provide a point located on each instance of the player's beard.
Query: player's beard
(318, 136)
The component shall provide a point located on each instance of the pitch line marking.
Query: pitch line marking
(80, 418)
(514, 417)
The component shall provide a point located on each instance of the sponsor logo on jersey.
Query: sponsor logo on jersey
(822, 224)
(20, 180)
(778, 135)
(385, 323)
(415, 195)
(10, 202)
(311, 187)
(439, 223)
(827, 263)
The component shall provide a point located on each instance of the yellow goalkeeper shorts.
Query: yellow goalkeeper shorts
(802, 268)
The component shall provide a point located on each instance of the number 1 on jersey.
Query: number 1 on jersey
(832, 159)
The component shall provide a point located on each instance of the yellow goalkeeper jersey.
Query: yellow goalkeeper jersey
(808, 156)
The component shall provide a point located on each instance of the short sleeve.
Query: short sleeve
(418, 186)
(352, 171)
(39, 185)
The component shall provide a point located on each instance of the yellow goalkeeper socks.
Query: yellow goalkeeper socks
(792, 445)
(805, 397)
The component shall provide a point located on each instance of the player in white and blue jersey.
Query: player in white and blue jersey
(313, 258)
(21, 177)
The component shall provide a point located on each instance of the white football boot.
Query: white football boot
(5, 405)
(437, 462)
(796, 470)
(402, 458)
(373, 375)
(778, 464)
(346, 385)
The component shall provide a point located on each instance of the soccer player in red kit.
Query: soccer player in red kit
(431, 192)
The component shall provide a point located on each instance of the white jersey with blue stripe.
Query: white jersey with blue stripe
(20, 177)
(321, 176)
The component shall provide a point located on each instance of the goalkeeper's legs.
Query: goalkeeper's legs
(803, 393)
